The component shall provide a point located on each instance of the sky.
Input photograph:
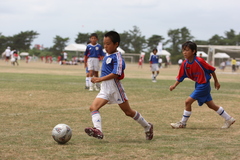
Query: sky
(66, 18)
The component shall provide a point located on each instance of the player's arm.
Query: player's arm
(85, 61)
(216, 83)
(105, 78)
(174, 86)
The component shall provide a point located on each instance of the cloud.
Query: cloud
(203, 18)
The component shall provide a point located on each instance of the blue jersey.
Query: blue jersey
(113, 63)
(154, 59)
(94, 51)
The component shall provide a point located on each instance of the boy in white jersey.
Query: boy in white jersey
(112, 90)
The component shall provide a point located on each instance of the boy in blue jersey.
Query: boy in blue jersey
(154, 65)
(93, 53)
(112, 91)
(199, 71)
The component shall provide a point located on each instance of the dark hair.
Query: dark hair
(155, 49)
(94, 35)
(114, 36)
(190, 45)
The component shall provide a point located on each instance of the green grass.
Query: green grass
(35, 99)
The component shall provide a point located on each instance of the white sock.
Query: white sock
(223, 113)
(156, 75)
(96, 119)
(138, 117)
(90, 82)
(186, 115)
(87, 81)
(152, 76)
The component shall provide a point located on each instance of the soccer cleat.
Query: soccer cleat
(86, 87)
(90, 88)
(178, 125)
(149, 134)
(94, 132)
(228, 123)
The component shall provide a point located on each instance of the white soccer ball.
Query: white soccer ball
(62, 133)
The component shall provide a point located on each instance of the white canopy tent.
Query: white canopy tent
(24, 54)
(76, 47)
(164, 53)
(204, 55)
(221, 55)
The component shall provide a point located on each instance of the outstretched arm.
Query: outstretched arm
(174, 86)
(216, 83)
(105, 78)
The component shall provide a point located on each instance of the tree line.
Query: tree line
(132, 41)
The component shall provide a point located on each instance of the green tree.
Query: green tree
(59, 44)
(153, 41)
(138, 42)
(216, 40)
(82, 38)
(125, 41)
(231, 37)
(185, 35)
(4, 42)
(23, 40)
(177, 37)
(174, 40)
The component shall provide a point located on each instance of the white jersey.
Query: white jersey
(8, 52)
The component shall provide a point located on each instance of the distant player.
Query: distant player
(93, 53)
(7, 54)
(199, 71)
(154, 65)
(112, 91)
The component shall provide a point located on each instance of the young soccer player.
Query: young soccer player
(112, 91)
(199, 71)
(91, 59)
(154, 65)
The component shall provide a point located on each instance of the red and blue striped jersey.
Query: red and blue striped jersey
(198, 70)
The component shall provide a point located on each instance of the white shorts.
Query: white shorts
(113, 91)
(93, 64)
(155, 67)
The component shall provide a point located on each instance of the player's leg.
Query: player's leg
(157, 73)
(96, 85)
(137, 117)
(90, 78)
(186, 114)
(87, 80)
(96, 68)
(96, 131)
(228, 119)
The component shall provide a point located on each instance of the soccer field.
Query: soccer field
(37, 96)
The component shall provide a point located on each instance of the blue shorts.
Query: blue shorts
(202, 93)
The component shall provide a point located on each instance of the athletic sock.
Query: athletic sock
(223, 113)
(153, 76)
(186, 115)
(156, 75)
(87, 81)
(96, 119)
(138, 117)
(90, 82)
